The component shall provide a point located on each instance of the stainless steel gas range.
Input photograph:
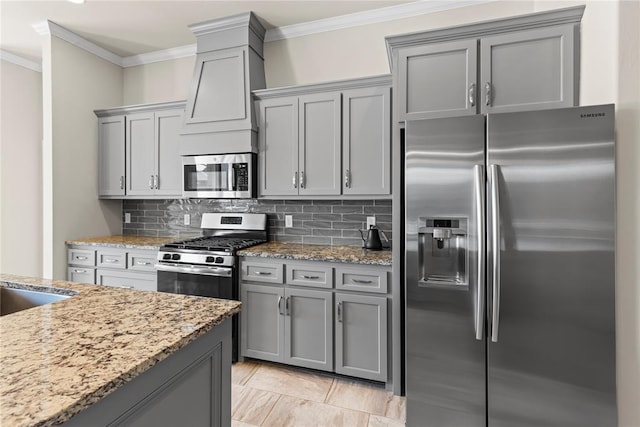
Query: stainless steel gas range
(207, 266)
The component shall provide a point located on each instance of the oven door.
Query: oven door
(221, 176)
(214, 282)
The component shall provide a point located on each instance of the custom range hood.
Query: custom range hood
(219, 116)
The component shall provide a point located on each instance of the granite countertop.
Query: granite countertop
(122, 241)
(347, 254)
(60, 358)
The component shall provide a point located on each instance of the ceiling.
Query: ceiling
(134, 27)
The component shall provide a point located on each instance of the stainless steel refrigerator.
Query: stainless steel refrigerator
(509, 269)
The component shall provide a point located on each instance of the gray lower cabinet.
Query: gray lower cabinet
(293, 314)
(112, 266)
(111, 137)
(515, 64)
(190, 388)
(139, 154)
(361, 336)
(325, 140)
(292, 326)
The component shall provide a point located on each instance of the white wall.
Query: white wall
(158, 82)
(20, 170)
(609, 73)
(77, 82)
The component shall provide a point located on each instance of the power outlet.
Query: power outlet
(187, 219)
(127, 218)
(371, 220)
(288, 221)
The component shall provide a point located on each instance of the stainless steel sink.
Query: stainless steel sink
(13, 300)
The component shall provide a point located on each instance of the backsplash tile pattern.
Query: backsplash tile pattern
(325, 222)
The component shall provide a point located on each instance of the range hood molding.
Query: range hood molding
(219, 117)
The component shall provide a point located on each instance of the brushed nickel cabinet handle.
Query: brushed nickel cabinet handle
(295, 180)
(488, 93)
(122, 182)
(347, 179)
(286, 307)
(143, 263)
(110, 261)
(81, 257)
(302, 182)
(263, 273)
(361, 281)
(472, 95)
(151, 182)
(304, 276)
(340, 312)
(280, 306)
(156, 180)
(79, 271)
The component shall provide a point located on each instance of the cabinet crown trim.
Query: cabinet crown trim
(337, 85)
(569, 15)
(241, 20)
(140, 108)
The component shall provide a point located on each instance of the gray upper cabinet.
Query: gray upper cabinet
(148, 165)
(528, 70)
(111, 148)
(437, 80)
(278, 147)
(528, 62)
(319, 144)
(141, 169)
(325, 140)
(366, 141)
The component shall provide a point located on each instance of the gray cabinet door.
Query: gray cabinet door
(308, 329)
(366, 141)
(319, 144)
(437, 80)
(169, 164)
(141, 166)
(219, 94)
(111, 147)
(262, 322)
(528, 70)
(278, 147)
(361, 336)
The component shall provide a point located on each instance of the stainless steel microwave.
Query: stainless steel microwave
(223, 176)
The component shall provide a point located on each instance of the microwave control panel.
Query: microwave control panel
(241, 173)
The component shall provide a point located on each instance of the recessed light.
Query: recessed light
(76, 1)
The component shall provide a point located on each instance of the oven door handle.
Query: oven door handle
(201, 270)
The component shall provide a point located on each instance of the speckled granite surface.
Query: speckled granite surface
(122, 241)
(349, 254)
(59, 358)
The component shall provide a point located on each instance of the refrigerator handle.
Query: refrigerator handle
(495, 250)
(478, 186)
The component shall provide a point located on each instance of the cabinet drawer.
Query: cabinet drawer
(111, 259)
(81, 257)
(262, 272)
(357, 279)
(310, 275)
(141, 261)
(81, 275)
(125, 279)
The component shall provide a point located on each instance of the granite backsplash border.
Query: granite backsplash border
(324, 222)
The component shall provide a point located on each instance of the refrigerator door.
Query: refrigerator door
(444, 195)
(551, 355)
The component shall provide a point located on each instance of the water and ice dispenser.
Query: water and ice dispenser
(443, 251)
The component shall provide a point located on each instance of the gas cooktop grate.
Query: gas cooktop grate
(228, 244)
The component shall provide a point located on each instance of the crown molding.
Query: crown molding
(20, 61)
(391, 13)
(331, 86)
(49, 27)
(159, 56)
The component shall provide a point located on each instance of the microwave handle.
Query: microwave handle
(232, 178)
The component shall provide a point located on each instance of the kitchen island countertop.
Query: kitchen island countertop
(125, 241)
(60, 358)
(297, 251)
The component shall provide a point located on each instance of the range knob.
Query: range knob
(175, 257)
(166, 256)
(219, 260)
(209, 259)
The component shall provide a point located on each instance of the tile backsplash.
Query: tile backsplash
(325, 222)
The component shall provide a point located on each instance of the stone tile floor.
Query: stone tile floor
(265, 394)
